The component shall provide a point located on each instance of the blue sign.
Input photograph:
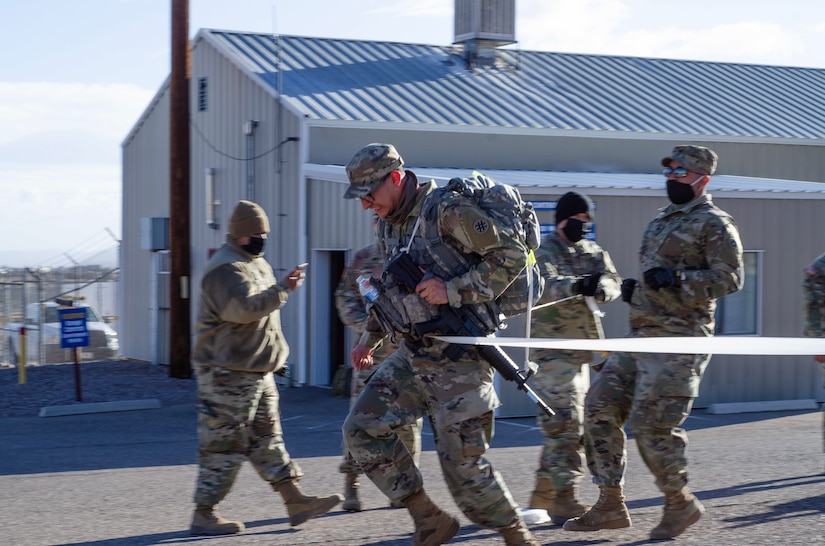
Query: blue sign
(73, 331)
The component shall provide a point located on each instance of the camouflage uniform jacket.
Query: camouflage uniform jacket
(239, 323)
(702, 242)
(571, 319)
(348, 300)
(494, 256)
(814, 293)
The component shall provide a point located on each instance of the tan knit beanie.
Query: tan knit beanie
(247, 219)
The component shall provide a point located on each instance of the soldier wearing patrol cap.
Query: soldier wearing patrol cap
(417, 380)
(691, 255)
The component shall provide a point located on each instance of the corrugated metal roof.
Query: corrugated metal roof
(352, 80)
(598, 183)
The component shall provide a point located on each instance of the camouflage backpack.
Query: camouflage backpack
(504, 203)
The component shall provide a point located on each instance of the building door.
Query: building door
(328, 346)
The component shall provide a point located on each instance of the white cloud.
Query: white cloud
(60, 160)
(405, 8)
(33, 107)
(579, 26)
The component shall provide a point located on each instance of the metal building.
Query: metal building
(274, 119)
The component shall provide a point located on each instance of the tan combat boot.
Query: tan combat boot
(561, 504)
(432, 526)
(682, 510)
(609, 512)
(302, 507)
(519, 535)
(351, 501)
(206, 521)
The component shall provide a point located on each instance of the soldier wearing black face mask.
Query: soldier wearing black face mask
(240, 344)
(690, 256)
(570, 265)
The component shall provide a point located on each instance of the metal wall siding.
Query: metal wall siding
(145, 193)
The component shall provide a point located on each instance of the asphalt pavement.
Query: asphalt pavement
(126, 478)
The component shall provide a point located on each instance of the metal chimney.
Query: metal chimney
(483, 25)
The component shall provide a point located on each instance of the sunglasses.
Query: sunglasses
(369, 198)
(678, 172)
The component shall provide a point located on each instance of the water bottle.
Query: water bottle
(367, 290)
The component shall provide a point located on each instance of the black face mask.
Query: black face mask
(255, 246)
(679, 193)
(575, 229)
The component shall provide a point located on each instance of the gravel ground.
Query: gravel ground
(104, 381)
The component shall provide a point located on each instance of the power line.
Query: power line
(230, 156)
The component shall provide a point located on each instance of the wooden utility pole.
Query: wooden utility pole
(179, 217)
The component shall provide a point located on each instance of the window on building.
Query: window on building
(201, 94)
(738, 314)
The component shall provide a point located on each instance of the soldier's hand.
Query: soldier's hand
(628, 286)
(360, 357)
(433, 290)
(588, 284)
(295, 278)
(662, 277)
(820, 359)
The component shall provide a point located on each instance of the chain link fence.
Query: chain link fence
(29, 299)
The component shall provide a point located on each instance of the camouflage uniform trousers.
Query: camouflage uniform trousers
(563, 384)
(459, 398)
(238, 419)
(410, 434)
(655, 393)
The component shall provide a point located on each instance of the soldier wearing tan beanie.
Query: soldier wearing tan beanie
(240, 344)
(248, 219)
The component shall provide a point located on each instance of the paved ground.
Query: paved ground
(126, 478)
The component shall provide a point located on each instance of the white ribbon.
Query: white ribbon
(724, 345)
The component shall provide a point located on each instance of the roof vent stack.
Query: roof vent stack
(481, 26)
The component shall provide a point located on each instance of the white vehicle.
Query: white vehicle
(103, 340)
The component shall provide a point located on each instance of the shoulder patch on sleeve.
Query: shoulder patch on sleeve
(479, 229)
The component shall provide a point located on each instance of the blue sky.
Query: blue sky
(76, 76)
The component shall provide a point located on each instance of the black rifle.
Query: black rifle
(462, 322)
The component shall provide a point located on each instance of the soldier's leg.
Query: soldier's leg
(267, 451)
(606, 410)
(390, 400)
(349, 466)
(269, 457)
(562, 456)
(223, 400)
(666, 386)
(477, 489)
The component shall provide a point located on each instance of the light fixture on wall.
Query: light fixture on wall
(211, 203)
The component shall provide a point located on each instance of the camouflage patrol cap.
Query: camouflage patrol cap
(369, 166)
(693, 158)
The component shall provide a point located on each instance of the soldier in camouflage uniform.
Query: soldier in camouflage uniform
(813, 287)
(352, 311)
(417, 380)
(563, 376)
(690, 256)
(239, 346)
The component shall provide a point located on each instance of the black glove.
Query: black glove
(628, 286)
(663, 277)
(588, 284)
